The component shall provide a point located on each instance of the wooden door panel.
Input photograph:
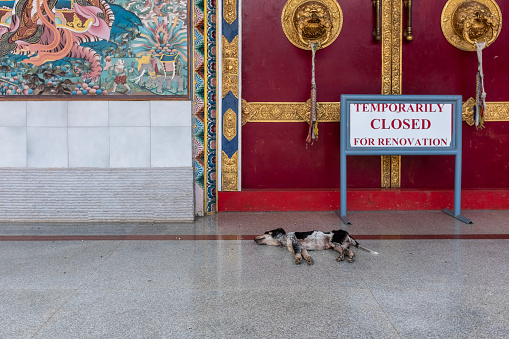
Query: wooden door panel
(274, 70)
(433, 66)
(276, 157)
(274, 154)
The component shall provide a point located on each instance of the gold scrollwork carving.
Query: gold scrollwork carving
(391, 47)
(385, 171)
(288, 111)
(306, 21)
(229, 124)
(468, 111)
(230, 11)
(495, 111)
(395, 171)
(330, 111)
(392, 23)
(230, 66)
(230, 172)
(465, 22)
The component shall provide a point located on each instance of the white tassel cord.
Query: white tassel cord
(480, 108)
(313, 123)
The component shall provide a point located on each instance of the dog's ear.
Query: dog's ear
(278, 231)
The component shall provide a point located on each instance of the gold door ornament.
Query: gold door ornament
(316, 21)
(465, 23)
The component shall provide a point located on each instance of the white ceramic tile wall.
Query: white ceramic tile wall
(13, 113)
(13, 146)
(130, 113)
(130, 146)
(164, 153)
(47, 147)
(47, 113)
(48, 134)
(164, 114)
(89, 147)
(88, 113)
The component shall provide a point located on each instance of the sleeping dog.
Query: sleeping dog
(299, 243)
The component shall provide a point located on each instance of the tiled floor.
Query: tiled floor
(435, 277)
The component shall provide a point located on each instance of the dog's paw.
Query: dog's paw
(350, 260)
(298, 261)
(340, 258)
(310, 261)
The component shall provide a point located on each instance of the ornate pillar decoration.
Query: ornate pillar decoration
(392, 23)
(204, 106)
(230, 94)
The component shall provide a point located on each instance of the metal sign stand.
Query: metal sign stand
(454, 149)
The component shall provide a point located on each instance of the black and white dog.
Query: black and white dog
(299, 243)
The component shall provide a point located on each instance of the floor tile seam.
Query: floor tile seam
(236, 237)
(76, 289)
(394, 327)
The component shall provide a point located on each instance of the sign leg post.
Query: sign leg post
(457, 192)
(342, 183)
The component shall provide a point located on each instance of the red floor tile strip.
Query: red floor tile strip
(240, 237)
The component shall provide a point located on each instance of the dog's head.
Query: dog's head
(270, 237)
(343, 237)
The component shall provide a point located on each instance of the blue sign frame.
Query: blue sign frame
(454, 148)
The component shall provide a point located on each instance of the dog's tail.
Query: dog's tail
(356, 244)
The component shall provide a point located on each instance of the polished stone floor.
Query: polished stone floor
(435, 277)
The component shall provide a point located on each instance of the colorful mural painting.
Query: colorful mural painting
(120, 48)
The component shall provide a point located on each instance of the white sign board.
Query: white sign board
(401, 124)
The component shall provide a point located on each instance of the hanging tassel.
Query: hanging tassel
(313, 121)
(480, 107)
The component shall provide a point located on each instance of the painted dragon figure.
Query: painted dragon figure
(37, 29)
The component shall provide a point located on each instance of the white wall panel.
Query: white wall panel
(164, 113)
(130, 147)
(13, 113)
(89, 147)
(129, 113)
(88, 113)
(164, 152)
(47, 147)
(13, 147)
(96, 160)
(47, 113)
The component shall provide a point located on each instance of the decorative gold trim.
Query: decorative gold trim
(385, 166)
(229, 124)
(231, 66)
(457, 22)
(387, 47)
(392, 23)
(229, 177)
(385, 160)
(395, 171)
(495, 111)
(288, 111)
(396, 45)
(468, 111)
(396, 64)
(230, 11)
(330, 111)
(293, 10)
